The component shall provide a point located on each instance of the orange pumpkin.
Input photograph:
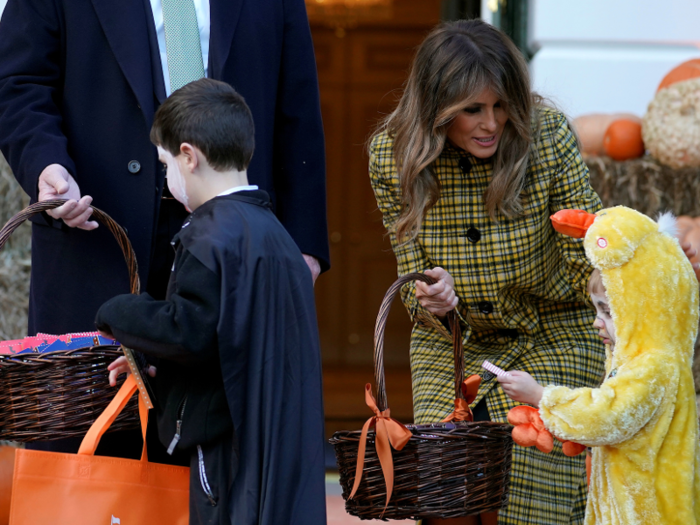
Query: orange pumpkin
(623, 140)
(685, 71)
(591, 129)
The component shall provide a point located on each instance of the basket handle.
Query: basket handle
(102, 217)
(380, 327)
(127, 250)
(94, 434)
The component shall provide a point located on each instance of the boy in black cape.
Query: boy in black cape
(238, 381)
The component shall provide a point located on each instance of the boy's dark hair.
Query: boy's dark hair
(210, 115)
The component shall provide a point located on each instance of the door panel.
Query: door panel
(360, 77)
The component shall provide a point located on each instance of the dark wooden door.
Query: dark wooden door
(361, 74)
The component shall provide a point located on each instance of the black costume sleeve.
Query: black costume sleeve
(181, 329)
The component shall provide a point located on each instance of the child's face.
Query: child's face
(603, 321)
(175, 180)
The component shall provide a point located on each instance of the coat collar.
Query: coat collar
(125, 26)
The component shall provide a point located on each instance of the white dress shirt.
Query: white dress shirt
(236, 189)
(201, 7)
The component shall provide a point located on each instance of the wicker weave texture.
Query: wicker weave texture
(445, 471)
(57, 395)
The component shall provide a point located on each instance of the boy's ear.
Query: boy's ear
(189, 154)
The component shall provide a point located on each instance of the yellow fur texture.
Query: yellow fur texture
(642, 421)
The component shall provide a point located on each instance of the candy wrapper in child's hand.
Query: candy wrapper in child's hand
(499, 372)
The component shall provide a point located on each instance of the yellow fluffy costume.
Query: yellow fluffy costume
(642, 420)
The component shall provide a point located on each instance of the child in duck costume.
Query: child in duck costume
(641, 421)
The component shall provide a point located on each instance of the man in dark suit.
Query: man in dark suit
(80, 81)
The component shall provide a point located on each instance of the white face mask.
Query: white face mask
(176, 182)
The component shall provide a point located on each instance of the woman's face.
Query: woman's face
(477, 129)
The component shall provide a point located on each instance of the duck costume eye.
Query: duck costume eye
(610, 237)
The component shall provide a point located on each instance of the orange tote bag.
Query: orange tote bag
(84, 489)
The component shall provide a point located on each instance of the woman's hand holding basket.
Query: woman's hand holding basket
(438, 298)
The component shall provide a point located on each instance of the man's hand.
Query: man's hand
(56, 183)
(438, 298)
(313, 265)
(121, 366)
(522, 387)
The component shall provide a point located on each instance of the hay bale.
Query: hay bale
(645, 185)
(15, 260)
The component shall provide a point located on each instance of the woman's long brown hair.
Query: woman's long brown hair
(453, 65)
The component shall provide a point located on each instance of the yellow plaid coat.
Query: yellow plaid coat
(522, 299)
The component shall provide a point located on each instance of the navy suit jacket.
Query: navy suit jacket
(80, 81)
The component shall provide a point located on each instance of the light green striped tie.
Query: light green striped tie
(182, 43)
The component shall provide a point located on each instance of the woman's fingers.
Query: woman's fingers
(441, 290)
(438, 298)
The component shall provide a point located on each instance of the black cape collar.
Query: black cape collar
(255, 197)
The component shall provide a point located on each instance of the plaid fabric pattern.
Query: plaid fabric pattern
(522, 299)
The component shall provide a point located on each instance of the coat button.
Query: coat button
(473, 235)
(134, 166)
(485, 307)
(465, 165)
(508, 332)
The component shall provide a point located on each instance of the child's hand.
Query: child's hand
(121, 366)
(522, 387)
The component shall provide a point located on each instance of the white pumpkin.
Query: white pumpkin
(671, 125)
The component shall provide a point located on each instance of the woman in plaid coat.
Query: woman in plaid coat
(467, 171)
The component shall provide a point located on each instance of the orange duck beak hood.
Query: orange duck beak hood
(649, 281)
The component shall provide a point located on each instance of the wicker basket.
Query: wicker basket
(60, 394)
(445, 470)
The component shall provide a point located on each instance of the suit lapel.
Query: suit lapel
(225, 15)
(125, 26)
(156, 65)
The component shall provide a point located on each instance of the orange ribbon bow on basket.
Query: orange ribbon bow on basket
(462, 412)
(529, 429)
(388, 433)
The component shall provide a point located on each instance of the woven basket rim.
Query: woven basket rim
(21, 358)
(453, 431)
